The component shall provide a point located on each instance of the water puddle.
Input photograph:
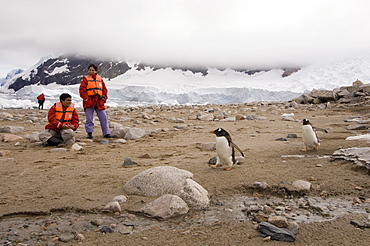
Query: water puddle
(36, 229)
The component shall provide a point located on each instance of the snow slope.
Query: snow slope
(168, 86)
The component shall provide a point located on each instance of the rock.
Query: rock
(5, 115)
(158, 181)
(180, 127)
(281, 139)
(106, 229)
(80, 237)
(119, 131)
(357, 127)
(113, 207)
(360, 224)
(360, 156)
(302, 186)
(292, 135)
(66, 237)
(11, 138)
(213, 160)
(276, 233)
(76, 147)
(278, 221)
(260, 185)
(125, 229)
(206, 117)
(166, 206)
(120, 198)
(96, 222)
(195, 195)
(287, 118)
(128, 162)
(229, 119)
(120, 141)
(135, 133)
(11, 129)
(58, 150)
(146, 156)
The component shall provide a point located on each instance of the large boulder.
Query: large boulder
(158, 181)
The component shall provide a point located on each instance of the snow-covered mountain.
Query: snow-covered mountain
(136, 83)
(10, 76)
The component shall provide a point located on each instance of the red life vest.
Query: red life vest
(41, 97)
(94, 86)
(64, 115)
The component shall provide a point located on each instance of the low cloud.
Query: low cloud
(237, 33)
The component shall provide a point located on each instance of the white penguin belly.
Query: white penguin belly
(309, 137)
(224, 151)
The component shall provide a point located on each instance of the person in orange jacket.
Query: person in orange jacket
(41, 100)
(63, 122)
(94, 94)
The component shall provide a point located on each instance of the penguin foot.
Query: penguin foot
(316, 147)
(304, 149)
(214, 166)
(227, 169)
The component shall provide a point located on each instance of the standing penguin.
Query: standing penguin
(310, 139)
(225, 149)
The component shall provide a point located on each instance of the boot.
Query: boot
(89, 135)
(54, 141)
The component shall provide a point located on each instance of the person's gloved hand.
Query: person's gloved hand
(102, 97)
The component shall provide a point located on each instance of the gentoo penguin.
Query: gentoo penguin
(225, 149)
(310, 139)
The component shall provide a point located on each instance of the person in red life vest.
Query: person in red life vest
(41, 100)
(63, 122)
(94, 94)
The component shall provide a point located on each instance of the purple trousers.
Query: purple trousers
(89, 125)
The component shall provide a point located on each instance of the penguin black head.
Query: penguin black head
(220, 132)
(306, 122)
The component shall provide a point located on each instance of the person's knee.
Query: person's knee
(67, 134)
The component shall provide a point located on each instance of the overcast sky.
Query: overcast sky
(228, 33)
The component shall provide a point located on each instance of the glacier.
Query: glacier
(171, 87)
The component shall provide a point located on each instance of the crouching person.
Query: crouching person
(63, 122)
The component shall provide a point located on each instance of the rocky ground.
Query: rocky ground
(55, 196)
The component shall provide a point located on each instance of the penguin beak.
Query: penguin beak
(212, 132)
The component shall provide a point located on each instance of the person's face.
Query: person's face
(92, 71)
(67, 102)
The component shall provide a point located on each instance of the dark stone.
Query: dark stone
(106, 229)
(359, 224)
(276, 233)
(292, 135)
(281, 139)
(128, 162)
(212, 161)
(359, 127)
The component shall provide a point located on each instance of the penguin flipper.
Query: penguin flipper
(233, 155)
(236, 147)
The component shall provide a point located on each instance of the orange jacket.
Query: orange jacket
(59, 115)
(87, 88)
